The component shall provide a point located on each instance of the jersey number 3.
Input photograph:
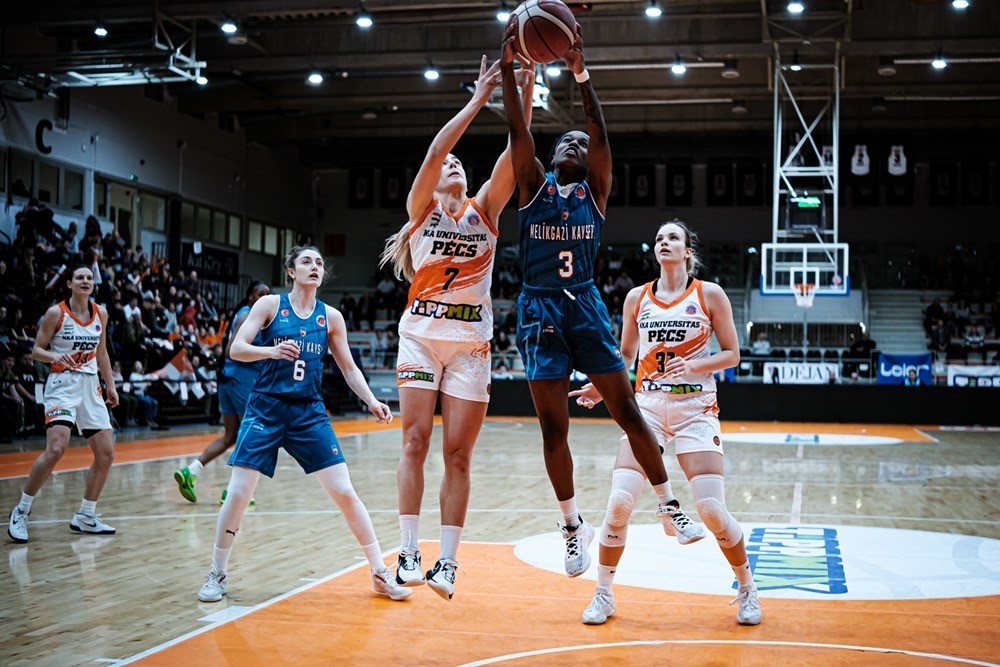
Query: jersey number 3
(566, 270)
(299, 370)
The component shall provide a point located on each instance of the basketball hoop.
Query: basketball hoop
(804, 294)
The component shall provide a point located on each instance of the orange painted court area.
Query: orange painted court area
(505, 607)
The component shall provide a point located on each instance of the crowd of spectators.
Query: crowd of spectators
(154, 312)
(959, 329)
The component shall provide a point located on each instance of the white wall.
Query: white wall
(120, 132)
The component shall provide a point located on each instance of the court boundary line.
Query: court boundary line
(731, 642)
(152, 460)
(246, 612)
(256, 512)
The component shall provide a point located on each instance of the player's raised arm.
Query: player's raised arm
(495, 193)
(528, 171)
(422, 190)
(598, 149)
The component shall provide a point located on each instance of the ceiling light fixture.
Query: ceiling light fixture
(729, 70)
(503, 14)
(553, 70)
(201, 80)
(229, 27)
(678, 68)
(653, 11)
(364, 19)
(431, 73)
(960, 4)
(100, 30)
(886, 66)
(796, 7)
(939, 62)
(315, 78)
(796, 66)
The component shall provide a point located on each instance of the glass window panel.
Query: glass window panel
(48, 183)
(219, 227)
(22, 178)
(254, 236)
(271, 240)
(73, 188)
(187, 219)
(203, 219)
(101, 198)
(153, 212)
(234, 230)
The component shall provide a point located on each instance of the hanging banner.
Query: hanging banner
(792, 372)
(973, 376)
(896, 368)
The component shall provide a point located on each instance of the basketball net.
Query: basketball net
(804, 294)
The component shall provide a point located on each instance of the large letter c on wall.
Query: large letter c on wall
(43, 125)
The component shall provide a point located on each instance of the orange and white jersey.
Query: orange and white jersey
(682, 328)
(449, 298)
(79, 338)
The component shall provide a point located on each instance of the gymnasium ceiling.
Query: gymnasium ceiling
(374, 86)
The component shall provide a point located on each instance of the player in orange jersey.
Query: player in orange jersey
(71, 338)
(668, 324)
(446, 249)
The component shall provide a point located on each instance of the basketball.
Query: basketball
(546, 30)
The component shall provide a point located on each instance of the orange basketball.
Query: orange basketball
(546, 30)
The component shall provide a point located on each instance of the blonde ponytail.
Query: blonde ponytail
(397, 252)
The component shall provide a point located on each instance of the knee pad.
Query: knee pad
(620, 506)
(710, 499)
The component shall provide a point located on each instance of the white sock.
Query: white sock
(373, 552)
(409, 525)
(450, 535)
(663, 492)
(606, 575)
(25, 504)
(88, 507)
(220, 559)
(744, 575)
(571, 515)
(195, 468)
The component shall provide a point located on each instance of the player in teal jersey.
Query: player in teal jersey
(286, 410)
(562, 323)
(235, 382)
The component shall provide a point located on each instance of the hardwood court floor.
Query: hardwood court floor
(71, 600)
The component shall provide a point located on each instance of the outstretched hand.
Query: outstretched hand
(587, 396)
(489, 78)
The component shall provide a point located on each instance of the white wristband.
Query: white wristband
(582, 77)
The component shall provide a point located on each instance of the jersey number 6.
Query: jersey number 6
(299, 370)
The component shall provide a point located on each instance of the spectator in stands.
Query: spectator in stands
(502, 344)
(975, 337)
(349, 308)
(11, 401)
(150, 406)
(962, 315)
(127, 403)
(912, 379)
(762, 346)
(71, 242)
(939, 336)
(934, 312)
(366, 310)
(862, 347)
(501, 372)
(206, 375)
(24, 371)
